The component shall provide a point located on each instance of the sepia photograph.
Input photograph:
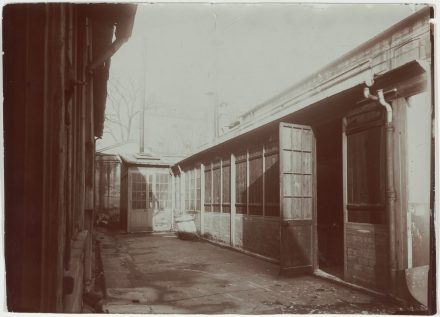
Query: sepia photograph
(250, 158)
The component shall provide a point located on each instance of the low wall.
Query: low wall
(367, 255)
(218, 226)
(198, 222)
(257, 234)
(74, 277)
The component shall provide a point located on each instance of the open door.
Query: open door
(297, 197)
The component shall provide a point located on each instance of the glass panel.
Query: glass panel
(138, 191)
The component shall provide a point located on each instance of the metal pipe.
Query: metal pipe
(386, 105)
(368, 95)
(390, 189)
(391, 193)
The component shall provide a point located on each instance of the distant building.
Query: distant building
(146, 193)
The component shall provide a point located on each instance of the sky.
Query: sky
(194, 55)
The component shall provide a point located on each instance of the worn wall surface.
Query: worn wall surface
(217, 226)
(258, 235)
(367, 255)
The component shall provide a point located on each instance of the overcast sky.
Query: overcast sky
(240, 55)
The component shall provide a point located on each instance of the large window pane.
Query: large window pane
(216, 181)
(138, 191)
(256, 181)
(208, 183)
(366, 175)
(226, 202)
(272, 181)
(241, 185)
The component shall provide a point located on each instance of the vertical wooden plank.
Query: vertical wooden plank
(281, 186)
(173, 197)
(233, 198)
(183, 176)
(264, 181)
(221, 185)
(129, 189)
(247, 181)
(212, 186)
(314, 172)
(202, 198)
(344, 192)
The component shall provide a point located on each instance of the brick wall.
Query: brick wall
(367, 255)
(218, 227)
(260, 235)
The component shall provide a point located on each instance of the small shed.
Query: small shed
(146, 193)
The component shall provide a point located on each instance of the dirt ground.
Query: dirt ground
(158, 273)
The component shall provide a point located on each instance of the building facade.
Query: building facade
(56, 62)
(335, 174)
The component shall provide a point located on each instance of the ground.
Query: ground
(159, 273)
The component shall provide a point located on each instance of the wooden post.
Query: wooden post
(264, 181)
(182, 191)
(221, 185)
(247, 182)
(344, 191)
(233, 198)
(202, 199)
(173, 197)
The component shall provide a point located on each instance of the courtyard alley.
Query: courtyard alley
(159, 273)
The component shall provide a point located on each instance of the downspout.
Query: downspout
(391, 192)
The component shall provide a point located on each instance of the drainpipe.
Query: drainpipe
(391, 193)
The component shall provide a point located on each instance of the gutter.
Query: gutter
(112, 49)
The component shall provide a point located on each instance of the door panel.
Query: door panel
(140, 217)
(297, 191)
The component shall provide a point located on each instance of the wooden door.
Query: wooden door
(139, 217)
(297, 196)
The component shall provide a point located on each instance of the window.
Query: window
(241, 183)
(226, 198)
(365, 168)
(256, 181)
(192, 189)
(187, 190)
(271, 180)
(163, 191)
(198, 173)
(138, 191)
(208, 184)
(216, 190)
(151, 199)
